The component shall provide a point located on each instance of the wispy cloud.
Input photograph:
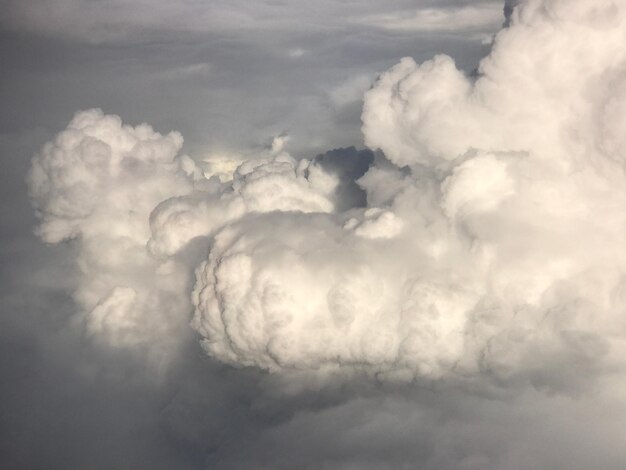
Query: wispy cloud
(481, 17)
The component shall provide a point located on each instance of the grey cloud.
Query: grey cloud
(509, 5)
(114, 20)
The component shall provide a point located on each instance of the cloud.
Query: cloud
(463, 261)
(97, 182)
(449, 255)
(451, 298)
(134, 207)
(457, 19)
(112, 21)
(350, 91)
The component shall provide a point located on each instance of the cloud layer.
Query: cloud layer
(97, 182)
(484, 239)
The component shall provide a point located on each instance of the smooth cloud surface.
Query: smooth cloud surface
(491, 240)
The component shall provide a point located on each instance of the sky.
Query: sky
(312, 235)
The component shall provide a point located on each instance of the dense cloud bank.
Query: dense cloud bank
(484, 239)
(450, 298)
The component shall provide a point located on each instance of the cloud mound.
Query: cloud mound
(97, 183)
(486, 237)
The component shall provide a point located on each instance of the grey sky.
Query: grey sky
(225, 74)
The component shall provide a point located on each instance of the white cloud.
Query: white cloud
(484, 274)
(491, 243)
(97, 182)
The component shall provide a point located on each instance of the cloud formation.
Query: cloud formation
(481, 17)
(465, 260)
(116, 20)
(97, 182)
(484, 239)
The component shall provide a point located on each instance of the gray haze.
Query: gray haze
(231, 76)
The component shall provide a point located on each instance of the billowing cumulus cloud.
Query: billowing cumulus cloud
(466, 260)
(484, 238)
(97, 182)
(139, 213)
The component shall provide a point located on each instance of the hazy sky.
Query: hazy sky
(412, 267)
